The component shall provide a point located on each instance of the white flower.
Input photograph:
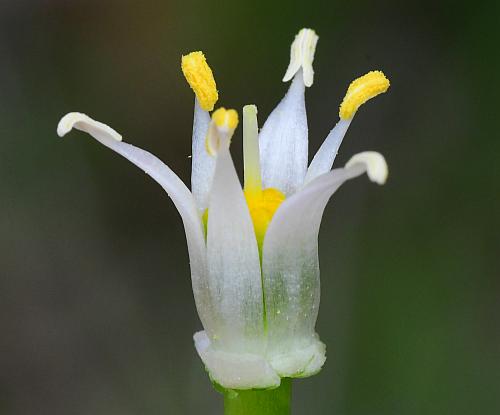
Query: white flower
(254, 250)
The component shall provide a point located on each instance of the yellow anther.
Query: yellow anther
(225, 118)
(361, 90)
(201, 79)
(262, 206)
(221, 129)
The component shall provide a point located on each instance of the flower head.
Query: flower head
(254, 248)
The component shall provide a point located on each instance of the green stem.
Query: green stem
(259, 402)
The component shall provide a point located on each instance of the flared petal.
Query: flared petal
(323, 160)
(203, 165)
(170, 182)
(233, 264)
(290, 268)
(283, 141)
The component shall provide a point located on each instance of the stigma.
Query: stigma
(361, 90)
(251, 157)
(201, 79)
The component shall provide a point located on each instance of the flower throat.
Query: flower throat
(262, 203)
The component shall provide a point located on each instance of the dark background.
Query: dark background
(96, 308)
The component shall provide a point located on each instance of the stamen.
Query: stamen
(225, 118)
(221, 129)
(375, 164)
(251, 157)
(361, 90)
(302, 56)
(201, 79)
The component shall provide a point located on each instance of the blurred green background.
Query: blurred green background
(96, 308)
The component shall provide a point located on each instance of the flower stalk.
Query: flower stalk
(259, 401)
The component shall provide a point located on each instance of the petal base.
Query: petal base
(252, 371)
(301, 363)
(235, 370)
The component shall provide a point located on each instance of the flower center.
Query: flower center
(262, 206)
(262, 203)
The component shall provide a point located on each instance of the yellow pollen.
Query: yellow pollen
(361, 90)
(262, 206)
(221, 130)
(201, 79)
(225, 118)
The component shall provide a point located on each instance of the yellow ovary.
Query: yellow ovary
(361, 90)
(262, 206)
(201, 79)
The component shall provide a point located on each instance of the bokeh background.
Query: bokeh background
(96, 308)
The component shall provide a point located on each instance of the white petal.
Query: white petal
(235, 370)
(283, 141)
(233, 264)
(82, 122)
(290, 266)
(373, 162)
(203, 164)
(175, 188)
(324, 158)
